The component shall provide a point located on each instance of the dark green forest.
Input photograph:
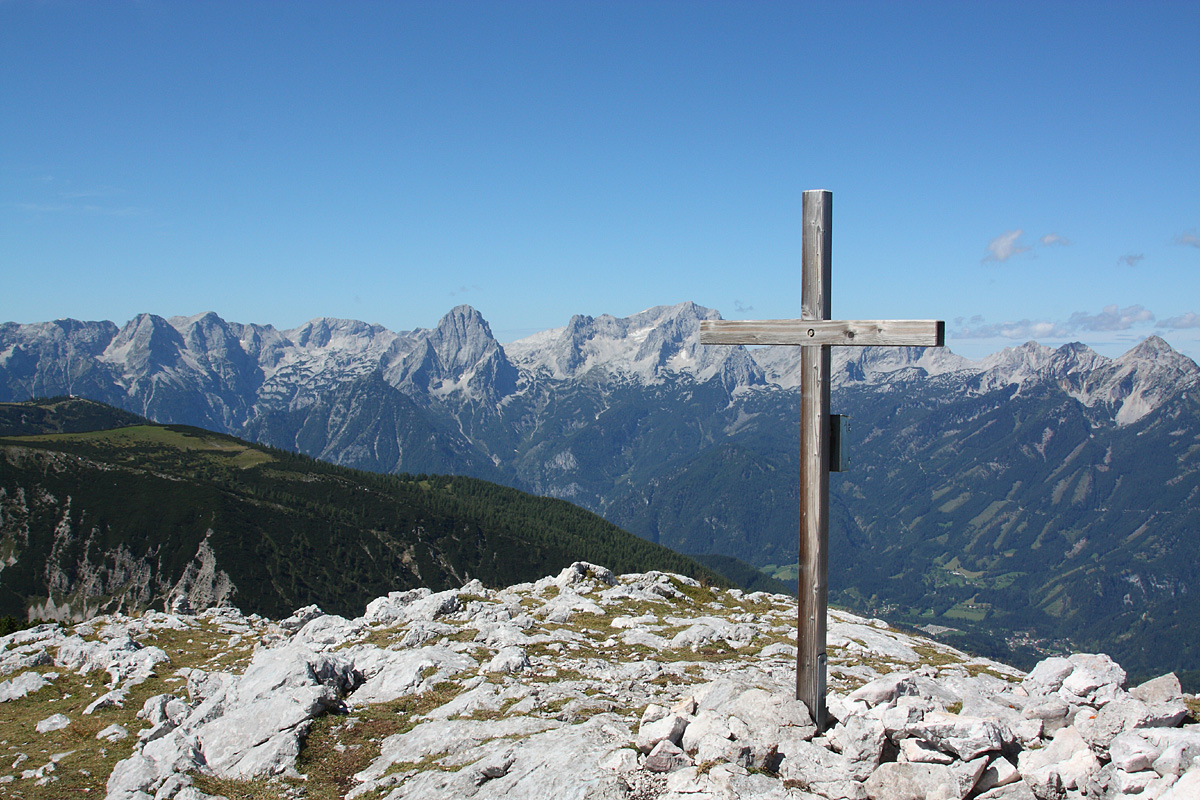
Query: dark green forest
(98, 510)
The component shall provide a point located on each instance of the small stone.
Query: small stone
(113, 733)
(54, 722)
(1163, 689)
(1131, 752)
(917, 751)
(999, 772)
(653, 713)
(115, 698)
(666, 757)
(1186, 788)
(669, 728)
(685, 707)
(496, 766)
(911, 781)
(509, 660)
(885, 689)
(1013, 791)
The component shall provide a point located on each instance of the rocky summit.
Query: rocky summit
(579, 685)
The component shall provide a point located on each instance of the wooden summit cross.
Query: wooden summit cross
(815, 332)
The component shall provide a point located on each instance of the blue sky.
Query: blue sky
(1019, 170)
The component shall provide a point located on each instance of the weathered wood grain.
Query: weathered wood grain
(842, 332)
(814, 461)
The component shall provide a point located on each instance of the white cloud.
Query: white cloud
(1022, 330)
(1189, 238)
(1051, 239)
(1131, 259)
(1005, 246)
(1188, 319)
(1110, 318)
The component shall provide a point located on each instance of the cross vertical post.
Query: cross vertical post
(814, 459)
(815, 333)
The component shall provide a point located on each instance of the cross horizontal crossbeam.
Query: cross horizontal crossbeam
(894, 332)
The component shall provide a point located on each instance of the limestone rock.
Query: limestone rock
(54, 722)
(1067, 761)
(1163, 689)
(300, 617)
(327, 631)
(911, 781)
(666, 757)
(107, 700)
(885, 689)
(966, 738)
(860, 739)
(113, 733)
(18, 687)
(394, 673)
(999, 772)
(1132, 752)
(669, 728)
(581, 571)
(1188, 786)
(1095, 677)
(1118, 715)
(809, 766)
(509, 660)
(1013, 791)
(1048, 675)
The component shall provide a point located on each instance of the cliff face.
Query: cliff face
(584, 684)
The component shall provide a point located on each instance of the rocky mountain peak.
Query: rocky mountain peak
(145, 344)
(326, 332)
(645, 347)
(462, 339)
(1139, 381)
(54, 358)
(459, 358)
(62, 337)
(210, 339)
(1155, 351)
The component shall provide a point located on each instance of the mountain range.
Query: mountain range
(1039, 498)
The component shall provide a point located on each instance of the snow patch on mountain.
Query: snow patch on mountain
(203, 370)
(647, 347)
